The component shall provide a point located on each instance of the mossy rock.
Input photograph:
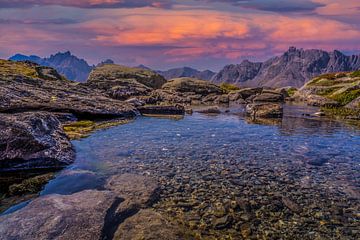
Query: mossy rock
(9, 68)
(82, 129)
(227, 87)
(31, 185)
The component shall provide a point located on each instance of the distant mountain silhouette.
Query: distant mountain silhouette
(65, 63)
(294, 68)
(187, 72)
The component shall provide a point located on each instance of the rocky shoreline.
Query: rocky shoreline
(40, 111)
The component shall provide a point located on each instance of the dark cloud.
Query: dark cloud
(59, 21)
(274, 5)
(87, 3)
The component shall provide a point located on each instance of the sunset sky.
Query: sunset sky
(171, 33)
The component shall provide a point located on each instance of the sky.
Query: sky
(161, 34)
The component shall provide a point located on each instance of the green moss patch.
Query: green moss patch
(17, 68)
(346, 97)
(227, 87)
(291, 91)
(82, 129)
(355, 74)
(31, 185)
(341, 112)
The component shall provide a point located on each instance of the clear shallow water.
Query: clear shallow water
(223, 176)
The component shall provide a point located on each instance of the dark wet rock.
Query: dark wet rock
(31, 185)
(192, 85)
(33, 140)
(162, 110)
(149, 225)
(264, 110)
(209, 110)
(23, 88)
(137, 189)
(77, 216)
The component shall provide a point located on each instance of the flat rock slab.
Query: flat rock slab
(77, 216)
(148, 225)
(137, 189)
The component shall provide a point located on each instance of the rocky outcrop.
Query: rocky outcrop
(192, 85)
(294, 68)
(33, 141)
(264, 110)
(331, 90)
(107, 76)
(30, 87)
(186, 72)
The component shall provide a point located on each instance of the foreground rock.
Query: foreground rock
(264, 110)
(27, 86)
(89, 214)
(77, 216)
(33, 140)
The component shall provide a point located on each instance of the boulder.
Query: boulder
(23, 88)
(192, 85)
(33, 140)
(77, 216)
(107, 76)
(264, 110)
(162, 110)
(148, 225)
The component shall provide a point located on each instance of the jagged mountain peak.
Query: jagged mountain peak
(294, 68)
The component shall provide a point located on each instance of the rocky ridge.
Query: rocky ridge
(294, 68)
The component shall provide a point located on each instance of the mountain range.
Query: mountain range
(294, 68)
(65, 63)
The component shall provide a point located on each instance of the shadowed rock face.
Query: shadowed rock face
(30, 87)
(294, 68)
(33, 141)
